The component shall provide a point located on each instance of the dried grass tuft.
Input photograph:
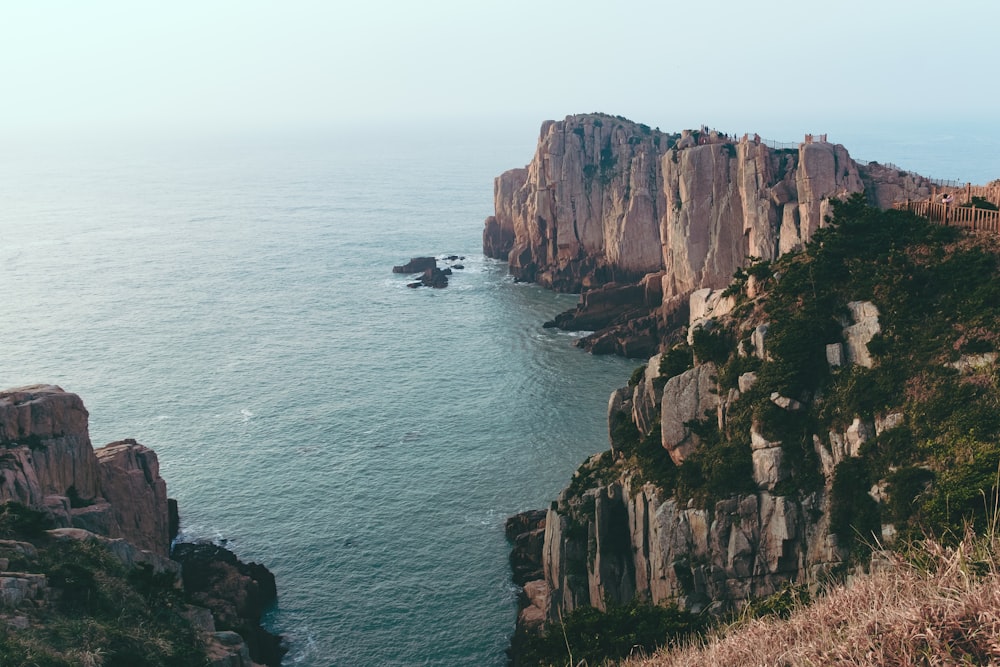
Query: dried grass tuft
(939, 606)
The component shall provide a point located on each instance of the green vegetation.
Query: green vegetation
(980, 202)
(676, 360)
(589, 636)
(96, 612)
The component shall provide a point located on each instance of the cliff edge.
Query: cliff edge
(90, 535)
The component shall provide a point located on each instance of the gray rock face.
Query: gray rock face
(742, 547)
(864, 315)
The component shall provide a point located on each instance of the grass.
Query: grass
(95, 612)
(935, 605)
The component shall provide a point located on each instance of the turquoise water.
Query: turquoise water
(230, 304)
(234, 308)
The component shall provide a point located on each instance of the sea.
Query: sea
(228, 300)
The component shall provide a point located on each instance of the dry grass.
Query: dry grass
(939, 607)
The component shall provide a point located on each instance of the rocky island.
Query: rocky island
(85, 542)
(819, 378)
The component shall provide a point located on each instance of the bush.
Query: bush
(676, 360)
(595, 637)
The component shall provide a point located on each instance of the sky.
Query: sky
(101, 65)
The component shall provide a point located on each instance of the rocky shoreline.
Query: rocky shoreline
(114, 497)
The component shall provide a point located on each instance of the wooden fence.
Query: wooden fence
(979, 219)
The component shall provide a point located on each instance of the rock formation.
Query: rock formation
(605, 199)
(610, 542)
(115, 497)
(608, 200)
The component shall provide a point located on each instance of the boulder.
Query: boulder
(416, 265)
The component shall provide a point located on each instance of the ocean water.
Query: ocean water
(233, 307)
(229, 302)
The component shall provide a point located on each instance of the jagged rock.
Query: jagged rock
(416, 265)
(968, 363)
(688, 396)
(757, 339)
(17, 587)
(46, 446)
(707, 305)
(786, 403)
(131, 482)
(864, 315)
(888, 421)
(746, 381)
(599, 308)
(47, 462)
(127, 553)
(237, 593)
(647, 396)
(535, 605)
(526, 531)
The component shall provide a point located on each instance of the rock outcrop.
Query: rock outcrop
(611, 542)
(605, 199)
(115, 497)
(237, 593)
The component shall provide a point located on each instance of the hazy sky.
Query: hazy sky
(726, 63)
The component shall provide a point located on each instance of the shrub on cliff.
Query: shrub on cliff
(590, 636)
(95, 612)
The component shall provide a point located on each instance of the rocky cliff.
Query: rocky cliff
(606, 200)
(821, 404)
(112, 497)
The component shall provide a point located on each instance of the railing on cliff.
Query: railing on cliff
(969, 217)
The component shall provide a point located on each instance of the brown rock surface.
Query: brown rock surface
(605, 199)
(131, 483)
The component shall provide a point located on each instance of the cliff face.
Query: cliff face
(825, 402)
(114, 497)
(47, 461)
(612, 537)
(606, 199)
